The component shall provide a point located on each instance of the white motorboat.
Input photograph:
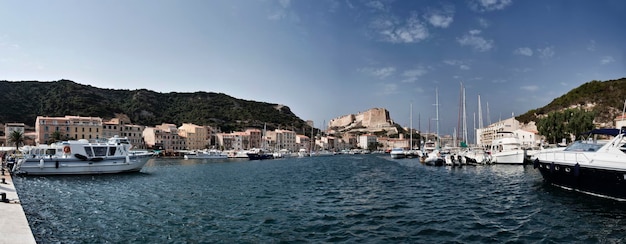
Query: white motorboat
(507, 150)
(592, 166)
(81, 157)
(303, 153)
(205, 154)
(397, 153)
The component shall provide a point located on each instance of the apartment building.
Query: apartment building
(282, 139)
(196, 137)
(69, 127)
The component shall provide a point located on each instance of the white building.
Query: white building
(366, 140)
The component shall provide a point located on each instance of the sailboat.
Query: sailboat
(260, 154)
(434, 158)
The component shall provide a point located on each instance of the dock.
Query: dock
(14, 226)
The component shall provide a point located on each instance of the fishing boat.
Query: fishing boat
(595, 167)
(81, 157)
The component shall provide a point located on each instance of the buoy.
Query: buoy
(41, 163)
(67, 150)
(127, 159)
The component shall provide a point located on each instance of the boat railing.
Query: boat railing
(578, 157)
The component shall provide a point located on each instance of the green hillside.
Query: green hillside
(606, 98)
(25, 100)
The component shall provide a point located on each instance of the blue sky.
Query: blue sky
(325, 58)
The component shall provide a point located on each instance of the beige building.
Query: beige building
(255, 140)
(196, 137)
(69, 127)
(303, 141)
(389, 143)
(7, 129)
(123, 128)
(163, 137)
(233, 141)
(282, 139)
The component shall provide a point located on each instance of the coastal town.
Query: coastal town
(371, 130)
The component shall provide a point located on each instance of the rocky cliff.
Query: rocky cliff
(370, 121)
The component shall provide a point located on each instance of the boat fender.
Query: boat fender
(67, 150)
(552, 167)
(536, 163)
(576, 169)
(127, 159)
(81, 157)
(41, 163)
(56, 164)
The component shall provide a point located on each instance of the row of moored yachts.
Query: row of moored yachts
(595, 165)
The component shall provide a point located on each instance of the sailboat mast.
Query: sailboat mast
(464, 119)
(437, 114)
(411, 128)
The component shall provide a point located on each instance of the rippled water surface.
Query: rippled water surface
(345, 198)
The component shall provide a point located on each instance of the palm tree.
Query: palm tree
(16, 137)
(55, 137)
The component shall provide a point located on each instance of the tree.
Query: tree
(16, 137)
(558, 125)
(55, 137)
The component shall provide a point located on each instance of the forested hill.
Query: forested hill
(605, 98)
(25, 100)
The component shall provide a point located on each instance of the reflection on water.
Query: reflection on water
(348, 198)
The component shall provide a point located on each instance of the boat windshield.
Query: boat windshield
(581, 146)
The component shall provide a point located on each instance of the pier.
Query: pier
(14, 226)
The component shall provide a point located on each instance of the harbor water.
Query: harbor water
(343, 198)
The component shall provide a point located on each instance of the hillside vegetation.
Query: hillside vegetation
(605, 98)
(24, 101)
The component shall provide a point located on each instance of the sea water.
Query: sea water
(344, 198)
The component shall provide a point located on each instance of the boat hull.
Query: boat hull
(509, 157)
(609, 183)
(205, 156)
(75, 166)
(260, 156)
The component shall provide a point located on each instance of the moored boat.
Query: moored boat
(592, 166)
(205, 154)
(81, 157)
(397, 153)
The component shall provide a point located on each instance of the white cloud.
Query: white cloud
(475, 32)
(592, 46)
(440, 18)
(607, 60)
(484, 23)
(524, 51)
(390, 30)
(530, 88)
(380, 73)
(546, 53)
(462, 65)
(284, 3)
(489, 5)
(475, 41)
(413, 74)
(389, 89)
(376, 5)
(282, 12)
